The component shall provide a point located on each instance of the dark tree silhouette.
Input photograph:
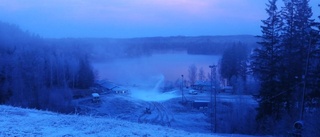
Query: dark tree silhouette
(85, 74)
(283, 64)
(233, 62)
(265, 65)
(37, 73)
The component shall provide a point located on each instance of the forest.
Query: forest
(36, 73)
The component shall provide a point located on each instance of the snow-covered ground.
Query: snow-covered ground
(28, 122)
(166, 108)
(117, 115)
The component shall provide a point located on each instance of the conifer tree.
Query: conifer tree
(266, 64)
(296, 48)
(313, 81)
(282, 63)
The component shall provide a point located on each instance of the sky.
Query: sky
(136, 18)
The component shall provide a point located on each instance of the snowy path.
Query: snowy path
(159, 115)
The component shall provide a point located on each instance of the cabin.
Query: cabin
(106, 85)
(120, 90)
(202, 85)
(227, 89)
(111, 87)
(197, 104)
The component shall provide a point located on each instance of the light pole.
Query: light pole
(213, 108)
(182, 94)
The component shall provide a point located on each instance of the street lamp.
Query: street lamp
(182, 94)
(213, 75)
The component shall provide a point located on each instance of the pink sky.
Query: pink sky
(136, 18)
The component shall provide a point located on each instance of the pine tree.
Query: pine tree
(266, 64)
(296, 48)
(313, 77)
(283, 60)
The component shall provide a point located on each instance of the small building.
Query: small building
(200, 104)
(111, 87)
(227, 89)
(120, 90)
(107, 85)
(202, 85)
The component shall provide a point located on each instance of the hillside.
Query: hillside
(28, 122)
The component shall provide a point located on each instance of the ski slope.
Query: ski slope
(16, 121)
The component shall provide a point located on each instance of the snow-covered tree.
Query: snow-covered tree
(35, 72)
(201, 76)
(192, 71)
(233, 62)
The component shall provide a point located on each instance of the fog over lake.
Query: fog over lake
(149, 68)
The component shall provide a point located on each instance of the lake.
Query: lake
(147, 69)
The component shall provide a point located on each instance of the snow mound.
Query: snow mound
(152, 94)
(27, 122)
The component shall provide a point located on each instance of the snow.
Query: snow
(27, 122)
(16, 121)
(153, 93)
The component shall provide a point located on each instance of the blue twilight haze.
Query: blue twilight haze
(136, 18)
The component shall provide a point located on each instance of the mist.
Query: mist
(155, 93)
(170, 65)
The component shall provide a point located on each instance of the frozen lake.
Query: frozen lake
(149, 68)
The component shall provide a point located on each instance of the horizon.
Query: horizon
(135, 37)
(146, 37)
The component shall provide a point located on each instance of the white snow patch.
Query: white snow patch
(152, 94)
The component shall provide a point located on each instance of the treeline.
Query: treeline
(203, 45)
(105, 48)
(37, 73)
(287, 64)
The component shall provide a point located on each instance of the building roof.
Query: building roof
(107, 84)
(203, 83)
